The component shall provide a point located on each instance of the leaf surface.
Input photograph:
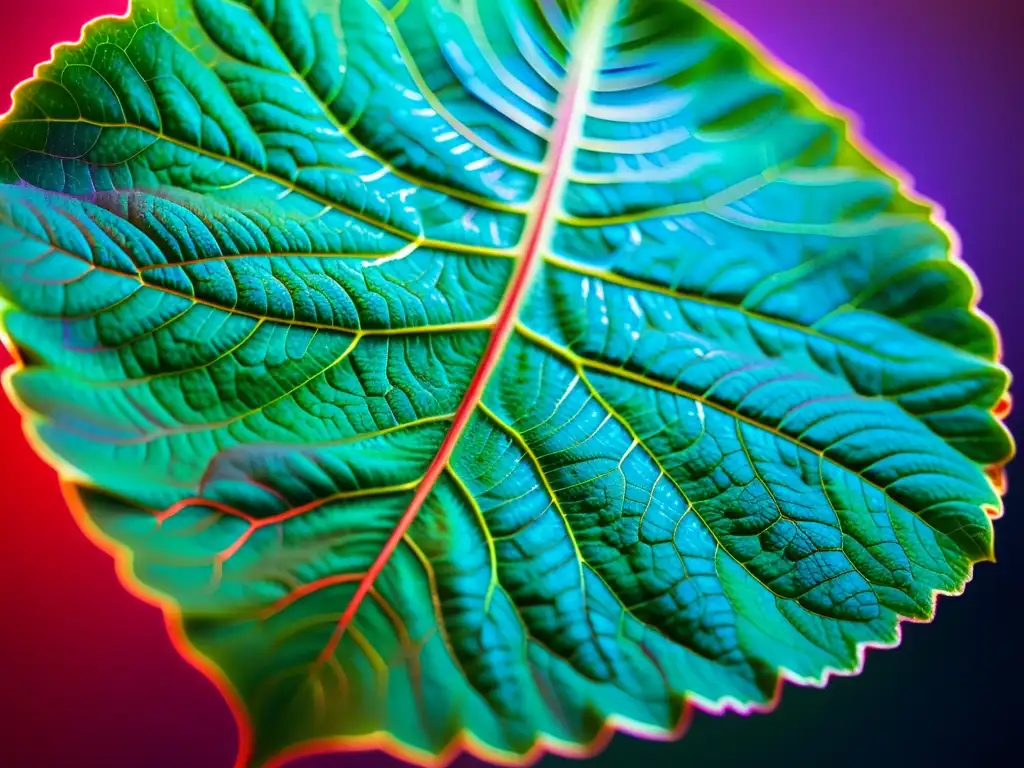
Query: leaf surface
(490, 375)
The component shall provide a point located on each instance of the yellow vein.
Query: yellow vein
(267, 174)
(444, 189)
(478, 513)
(438, 106)
(580, 363)
(730, 194)
(624, 281)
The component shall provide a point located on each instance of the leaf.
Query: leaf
(489, 376)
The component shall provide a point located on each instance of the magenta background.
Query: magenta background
(89, 678)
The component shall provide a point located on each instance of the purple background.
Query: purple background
(89, 677)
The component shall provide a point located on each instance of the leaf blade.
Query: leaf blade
(820, 349)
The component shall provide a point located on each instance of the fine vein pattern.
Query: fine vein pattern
(489, 374)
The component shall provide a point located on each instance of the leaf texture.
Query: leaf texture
(489, 374)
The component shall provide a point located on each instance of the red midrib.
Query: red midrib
(503, 328)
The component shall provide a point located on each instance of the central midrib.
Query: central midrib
(582, 71)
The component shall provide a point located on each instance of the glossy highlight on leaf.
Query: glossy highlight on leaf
(490, 375)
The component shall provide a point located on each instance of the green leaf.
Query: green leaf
(489, 375)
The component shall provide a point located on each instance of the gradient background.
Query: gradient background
(89, 677)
